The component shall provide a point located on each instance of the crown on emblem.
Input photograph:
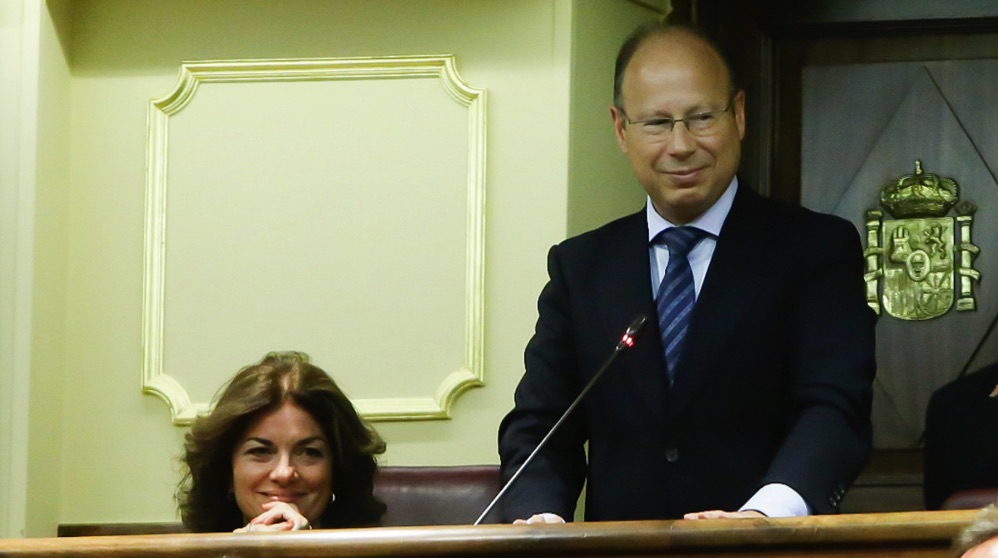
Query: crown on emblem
(919, 195)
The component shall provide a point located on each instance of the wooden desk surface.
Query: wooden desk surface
(907, 534)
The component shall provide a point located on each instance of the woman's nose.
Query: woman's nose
(283, 470)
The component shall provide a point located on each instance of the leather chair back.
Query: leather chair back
(448, 495)
(974, 498)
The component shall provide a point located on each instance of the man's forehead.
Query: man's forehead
(685, 65)
(675, 46)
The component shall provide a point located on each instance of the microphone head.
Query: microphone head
(632, 332)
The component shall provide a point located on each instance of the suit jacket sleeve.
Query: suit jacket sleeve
(553, 480)
(832, 364)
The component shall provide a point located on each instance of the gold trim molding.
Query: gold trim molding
(156, 380)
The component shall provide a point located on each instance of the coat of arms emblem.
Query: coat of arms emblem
(923, 257)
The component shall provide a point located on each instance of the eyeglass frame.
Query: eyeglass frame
(685, 120)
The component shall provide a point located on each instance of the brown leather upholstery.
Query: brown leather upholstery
(971, 499)
(454, 495)
(109, 529)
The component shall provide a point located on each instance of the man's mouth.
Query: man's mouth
(684, 173)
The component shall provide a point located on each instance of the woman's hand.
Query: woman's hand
(721, 514)
(276, 516)
(540, 518)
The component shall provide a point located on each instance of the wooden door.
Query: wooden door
(844, 97)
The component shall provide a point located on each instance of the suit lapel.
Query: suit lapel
(626, 277)
(736, 272)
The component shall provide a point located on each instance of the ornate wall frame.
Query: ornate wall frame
(156, 380)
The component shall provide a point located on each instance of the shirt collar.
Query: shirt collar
(709, 221)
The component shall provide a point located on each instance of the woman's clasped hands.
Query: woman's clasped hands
(277, 516)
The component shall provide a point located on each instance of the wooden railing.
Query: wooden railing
(908, 534)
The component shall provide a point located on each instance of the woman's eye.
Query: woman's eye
(258, 451)
(311, 453)
(314, 453)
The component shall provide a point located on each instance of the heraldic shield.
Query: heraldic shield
(918, 267)
(923, 258)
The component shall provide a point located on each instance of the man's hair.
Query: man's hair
(204, 494)
(659, 29)
(983, 527)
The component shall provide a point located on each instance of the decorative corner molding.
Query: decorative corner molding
(421, 408)
(156, 380)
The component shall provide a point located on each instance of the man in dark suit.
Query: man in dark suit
(757, 399)
(961, 436)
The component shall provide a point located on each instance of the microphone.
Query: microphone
(626, 342)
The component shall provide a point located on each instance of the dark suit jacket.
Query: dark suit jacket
(774, 385)
(961, 437)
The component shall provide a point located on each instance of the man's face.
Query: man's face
(676, 76)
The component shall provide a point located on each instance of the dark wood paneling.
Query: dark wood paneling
(770, 43)
(891, 481)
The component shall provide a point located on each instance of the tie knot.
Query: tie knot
(680, 240)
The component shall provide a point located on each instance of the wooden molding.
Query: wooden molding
(911, 534)
(156, 380)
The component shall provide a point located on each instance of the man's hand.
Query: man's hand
(538, 518)
(277, 516)
(721, 514)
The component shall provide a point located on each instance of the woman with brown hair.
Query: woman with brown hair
(282, 449)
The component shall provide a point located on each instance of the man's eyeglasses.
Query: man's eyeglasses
(699, 124)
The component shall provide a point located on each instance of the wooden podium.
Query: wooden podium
(907, 534)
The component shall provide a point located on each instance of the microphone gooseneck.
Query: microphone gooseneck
(626, 341)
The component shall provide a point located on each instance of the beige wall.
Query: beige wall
(601, 186)
(49, 285)
(97, 449)
(14, 323)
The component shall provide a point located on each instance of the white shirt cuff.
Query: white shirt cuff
(777, 500)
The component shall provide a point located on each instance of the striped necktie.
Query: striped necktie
(676, 294)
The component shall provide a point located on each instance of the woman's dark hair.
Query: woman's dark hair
(204, 494)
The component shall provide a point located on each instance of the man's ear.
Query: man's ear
(738, 106)
(619, 125)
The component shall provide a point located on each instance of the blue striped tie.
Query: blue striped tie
(676, 294)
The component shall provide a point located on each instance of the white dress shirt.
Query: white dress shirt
(774, 500)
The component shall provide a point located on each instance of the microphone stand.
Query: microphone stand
(626, 342)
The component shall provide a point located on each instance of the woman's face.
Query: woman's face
(283, 456)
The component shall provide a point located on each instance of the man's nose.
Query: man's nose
(681, 141)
